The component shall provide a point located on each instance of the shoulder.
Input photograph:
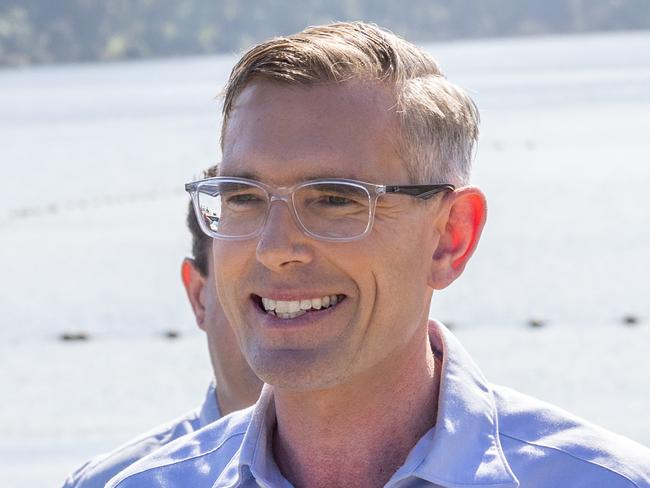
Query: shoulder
(547, 446)
(194, 460)
(97, 471)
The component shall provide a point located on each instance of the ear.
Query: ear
(194, 282)
(462, 219)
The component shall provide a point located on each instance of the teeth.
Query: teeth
(295, 308)
(291, 315)
(268, 303)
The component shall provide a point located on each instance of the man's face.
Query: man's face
(282, 135)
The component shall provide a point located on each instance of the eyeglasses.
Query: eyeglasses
(327, 209)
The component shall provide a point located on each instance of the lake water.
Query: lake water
(92, 164)
(94, 159)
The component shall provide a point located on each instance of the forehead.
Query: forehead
(286, 133)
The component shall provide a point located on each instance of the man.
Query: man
(334, 220)
(236, 386)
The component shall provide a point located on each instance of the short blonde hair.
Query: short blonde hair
(438, 120)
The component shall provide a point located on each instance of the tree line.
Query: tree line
(64, 31)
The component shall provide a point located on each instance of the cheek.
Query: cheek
(229, 258)
(389, 273)
(222, 334)
(228, 267)
(402, 270)
(404, 251)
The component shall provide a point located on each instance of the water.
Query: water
(94, 158)
(93, 161)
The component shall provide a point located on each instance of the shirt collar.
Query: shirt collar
(209, 411)
(254, 458)
(463, 447)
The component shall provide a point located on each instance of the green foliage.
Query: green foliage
(45, 31)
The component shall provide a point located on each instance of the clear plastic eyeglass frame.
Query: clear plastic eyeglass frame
(286, 194)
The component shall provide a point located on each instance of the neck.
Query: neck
(358, 433)
(237, 394)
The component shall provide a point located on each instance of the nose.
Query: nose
(282, 243)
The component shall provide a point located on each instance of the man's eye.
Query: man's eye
(336, 200)
(242, 199)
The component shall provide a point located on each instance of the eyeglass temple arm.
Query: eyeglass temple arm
(420, 191)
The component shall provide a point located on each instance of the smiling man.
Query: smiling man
(342, 203)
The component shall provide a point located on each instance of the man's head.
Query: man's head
(344, 101)
(436, 122)
(235, 380)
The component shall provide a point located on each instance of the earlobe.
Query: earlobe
(460, 231)
(194, 282)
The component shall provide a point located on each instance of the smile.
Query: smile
(286, 309)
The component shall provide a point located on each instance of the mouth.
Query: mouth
(290, 309)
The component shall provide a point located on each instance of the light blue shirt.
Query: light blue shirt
(485, 436)
(96, 472)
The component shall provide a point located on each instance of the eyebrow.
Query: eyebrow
(340, 189)
(245, 174)
(252, 175)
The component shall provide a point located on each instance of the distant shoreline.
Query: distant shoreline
(80, 32)
(9, 68)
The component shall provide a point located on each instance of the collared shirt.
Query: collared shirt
(485, 436)
(96, 472)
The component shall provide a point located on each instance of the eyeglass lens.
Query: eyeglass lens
(326, 209)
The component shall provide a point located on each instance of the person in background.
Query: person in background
(235, 386)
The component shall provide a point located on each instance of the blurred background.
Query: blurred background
(108, 108)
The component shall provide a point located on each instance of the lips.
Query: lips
(289, 309)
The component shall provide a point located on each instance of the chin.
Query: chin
(297, 370)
